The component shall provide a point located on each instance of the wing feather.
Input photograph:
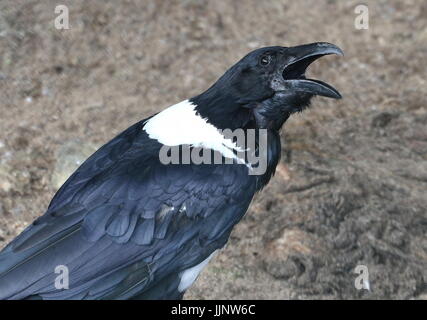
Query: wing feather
(124, 221)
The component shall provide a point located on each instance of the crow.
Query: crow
(129, 225)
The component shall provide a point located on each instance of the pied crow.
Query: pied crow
(127, 225)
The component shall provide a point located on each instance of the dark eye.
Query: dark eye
(265, 60)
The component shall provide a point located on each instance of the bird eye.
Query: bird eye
(265, 60)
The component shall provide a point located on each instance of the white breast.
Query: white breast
(190, 275)
(180, 125)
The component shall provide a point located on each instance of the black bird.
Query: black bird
(126, 225)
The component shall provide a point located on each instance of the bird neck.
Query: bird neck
(224, 111)
(273, 157)
(221, 109)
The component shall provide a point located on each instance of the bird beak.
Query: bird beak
(292, 75)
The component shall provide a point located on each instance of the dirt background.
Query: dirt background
(351, 187)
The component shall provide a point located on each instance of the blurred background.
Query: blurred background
(351, 186)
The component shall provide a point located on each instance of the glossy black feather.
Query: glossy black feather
(123, 209)
(128, 226)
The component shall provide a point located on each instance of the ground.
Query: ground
(351, 186)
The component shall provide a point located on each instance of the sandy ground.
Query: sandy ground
(351, 187)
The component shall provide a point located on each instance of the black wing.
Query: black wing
(125, 225)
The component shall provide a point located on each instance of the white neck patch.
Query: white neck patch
(179, 125)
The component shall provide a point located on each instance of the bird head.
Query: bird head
(267, 86)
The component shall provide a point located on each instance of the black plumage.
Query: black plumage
(128, 226)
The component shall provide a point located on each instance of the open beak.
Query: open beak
(293, 74)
